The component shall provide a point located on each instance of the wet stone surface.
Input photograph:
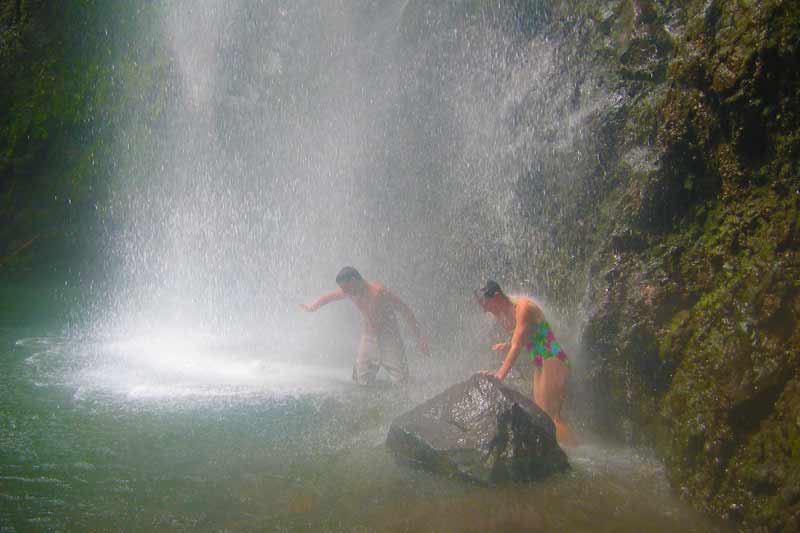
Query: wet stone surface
(480, 430)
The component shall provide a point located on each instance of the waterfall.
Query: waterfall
(427, 146)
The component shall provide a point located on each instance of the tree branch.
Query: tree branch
(4, 260)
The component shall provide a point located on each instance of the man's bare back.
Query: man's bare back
(377, 306)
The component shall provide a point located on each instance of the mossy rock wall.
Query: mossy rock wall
(679, 246)
(692, 298)
(71, 73)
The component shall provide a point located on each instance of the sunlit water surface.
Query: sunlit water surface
(196, 432)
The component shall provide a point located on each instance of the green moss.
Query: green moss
(733, 362)
(718, 286)
(71, 72)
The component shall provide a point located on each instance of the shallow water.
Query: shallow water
(202, 433)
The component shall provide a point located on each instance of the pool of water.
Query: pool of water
(198, 432)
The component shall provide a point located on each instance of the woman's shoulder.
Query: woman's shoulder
(529, 307)
(525, 300)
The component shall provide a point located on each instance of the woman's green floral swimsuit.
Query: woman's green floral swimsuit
(543, 345)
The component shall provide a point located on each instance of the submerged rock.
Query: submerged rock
(480, 430)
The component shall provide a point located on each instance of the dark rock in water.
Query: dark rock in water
(481, 430)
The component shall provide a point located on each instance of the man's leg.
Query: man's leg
(366, 367)
(393, 359)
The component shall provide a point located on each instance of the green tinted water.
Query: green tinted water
(91, 440)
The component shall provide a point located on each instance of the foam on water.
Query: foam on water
(191, 368)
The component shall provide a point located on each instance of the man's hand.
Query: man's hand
(500, 347)
(307, 307)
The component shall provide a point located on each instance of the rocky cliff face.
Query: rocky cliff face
(694, 302)
(678, 236)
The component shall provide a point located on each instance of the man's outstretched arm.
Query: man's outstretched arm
(411, 320)
(325, 299)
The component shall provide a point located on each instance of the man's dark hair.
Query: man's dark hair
(348, 274)
(490, 289)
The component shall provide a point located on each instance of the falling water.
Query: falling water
(304, 136)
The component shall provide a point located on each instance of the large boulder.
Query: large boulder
(480, 430)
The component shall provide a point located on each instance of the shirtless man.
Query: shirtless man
(381, 343)
(530, 332)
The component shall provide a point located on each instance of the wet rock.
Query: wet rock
(480, 430)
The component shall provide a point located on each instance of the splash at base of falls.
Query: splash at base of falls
(189, 368)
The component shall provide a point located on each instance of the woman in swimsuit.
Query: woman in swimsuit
(530, 332)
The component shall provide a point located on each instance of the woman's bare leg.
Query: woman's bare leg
(549, 393)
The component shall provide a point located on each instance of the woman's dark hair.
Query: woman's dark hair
(348, 274)
(490, 289)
